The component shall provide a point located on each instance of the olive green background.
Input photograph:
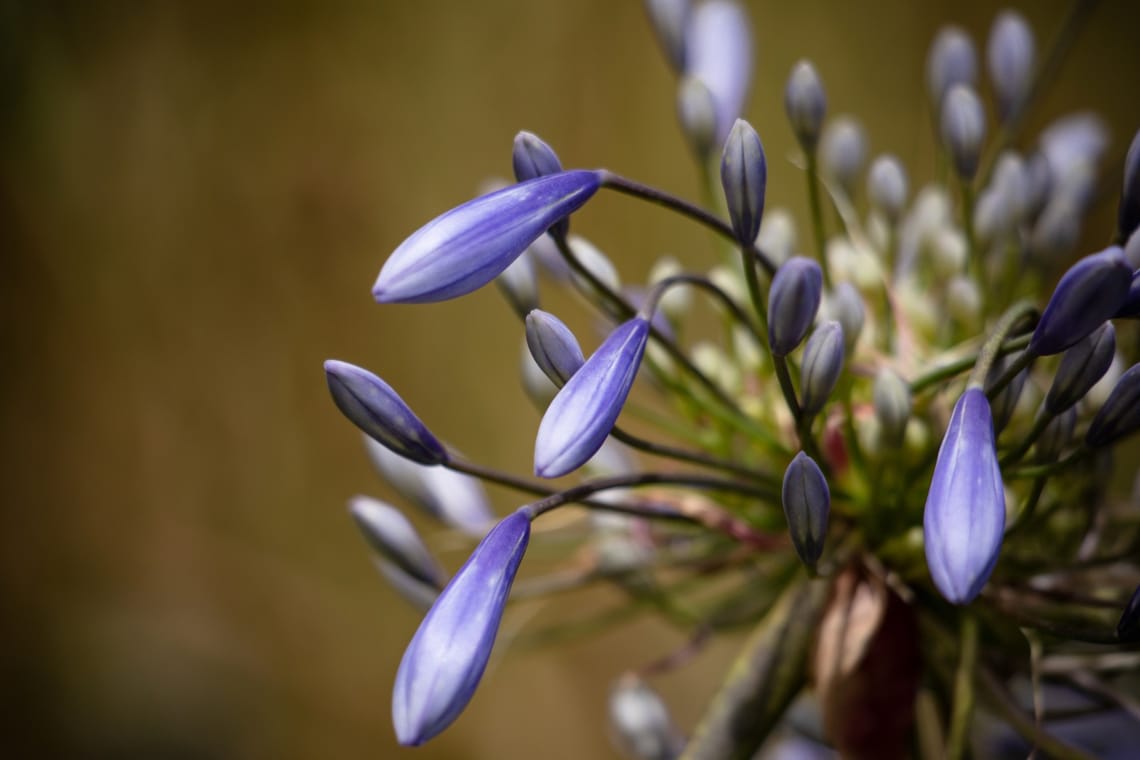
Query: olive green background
(194, 201)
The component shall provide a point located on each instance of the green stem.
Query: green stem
(817, 216)
(1039, 425)
(992, 347)
(963, 711)
(957, 367)
(1006, 708)
(693, 457)
(1023, 360)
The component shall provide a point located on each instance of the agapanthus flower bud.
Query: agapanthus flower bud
(413, 590)
(1010, 58)
(1120, 415)
(807, 505)
(887, 186)
(964, 518)
(719, 53)
(538, 387)
(372, 405)
(963, 129)
(847, 308)
(806, 104)
(744, 177)
(584, 412)
(1128, 629)
(591, 258)
(1128, 215)
(519, 284)
(891, 398)
(1083, 364)
(842, 151)
(951, 61)
(456, 499)
(468, 246)
(532, 157)
(1057, 229)
(823, 361)
(1087, 295)
(553, 346)
(697, 115)
(1056, 435)
(448, 654)
(670, 20)
(1005, 403)
(394, 539)
(777, 236)
(641, 721)
(1131, 306)
(963, 300)
(793, 300)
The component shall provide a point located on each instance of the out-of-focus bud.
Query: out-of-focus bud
(1128, 629)
(842, 151)
(793, 300)
(696, 112)
(670, 19)
(951, 61)
(964, 301)
(1010, 56)
(371, 404)
(593, 261)
(807, 506)
(1011, 178)
(1081, 367)
(1038, 183)
(1073, 146)
(892, 402)
(519, 284)
(964, 518)
(777, 236)
(847, 308)
(823, 361)
(1087, 295)
(1131, 250)
(887, 186)
(674, 304)
(553, 346)
(805, 103)
(538, 387)
(744, 177)
(1056, 435)
(1120, 415)
(963, 129)
(544, 252)
(414, 591)
(1005, 403)
(719, 53)
(641, 722)
(1128, 215)
(1057, 230)
(948, 251)
(712, 361)
(390, 534)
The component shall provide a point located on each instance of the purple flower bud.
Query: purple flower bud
(553, 346)
(1081, 367)
(806, 104)
(793, 300)
(641, 721)
(1128, 215)
(951, 61)
(468, 246)
(823, 361)
(963, 129)
(1120, 415)
(842, 151)
(670, 20)
(584, 412)
(887, 186)
(372, 405)
(719, 53)
(1087, 295)
(533, 158)
(1128, 629)
(744, 177)
(447, 656)
(1056, 435)
(964, 517)
(1131, 307)
(1010, 56)
(393, 537)
(697, 114)
(807, 505)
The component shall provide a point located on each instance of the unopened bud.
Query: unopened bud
(1087, 295)
(674, 304)
(519, 284)
(807, 506)
(805, 103)
(822, 363)
(963, 129)
(887, 186)
(842, 151)
(951, 61)
(670, 20)
(892, 402)
(1081, 367)
(1057, 435)
(392, 536)
(793, 300)
(1010, 57)
(777, 236)
(964, 300)
(1005, 403)
(696, 111)
(744, 177)
(1128, 215)
(1120, 415)
(847, 308)
(948, 251)
(595, 262)
(553, 346)
(641, 721)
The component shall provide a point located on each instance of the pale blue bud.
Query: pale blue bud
(391, 535)
(806, 104)
(670, 20)
(951, 61)
(553, 346)
(887, 186)
(1010, 56)
(963, 129)
(719, 53)
(842, 151)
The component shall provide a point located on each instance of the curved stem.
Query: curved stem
(957, 367)
(693, 457)
(992, 347)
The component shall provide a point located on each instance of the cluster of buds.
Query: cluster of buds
(902, 432)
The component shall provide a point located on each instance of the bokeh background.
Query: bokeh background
(194, 200)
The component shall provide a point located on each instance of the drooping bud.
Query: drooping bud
(1120, 415)
(1128, 629)
(806, 104)
(1010, 56)
(823, 361)
(964, 518)
(553, 346)
(887, 186)
(670, 20)
(842, 151)
(807, 505)
(641, 721)
(963, 129)
(744, 177)
(719, 53)
(519, 284)
(892, 401)
(1087, 295)
(469, 246)
(793, 300)
(585, 410)
(448, 654)
(371, 404)
(1056, 435)
(846, 307)
(390, 534)
(951, 61)
(1128, 215)
(697, 115)
(1081, 367)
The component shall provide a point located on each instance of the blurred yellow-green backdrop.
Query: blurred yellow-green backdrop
(194, 200)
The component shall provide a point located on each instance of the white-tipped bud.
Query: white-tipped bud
(538, 387)
(777, 236)
(696, 111)
(519, 284)
(892, 402)
(846, 306)
(595, 262)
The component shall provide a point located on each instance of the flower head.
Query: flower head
(446, 658)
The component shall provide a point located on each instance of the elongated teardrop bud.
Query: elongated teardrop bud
(806, 104)
(1010, 59)
(963, 129)
(718, 49)
(553, 346)
(823, 361)
(1120, 415)
(793, 301)
(744, 177)
(892, 402)
(1081, 367)
(952, 60)
(887, 186)
(393, 537)
(1086, 296)
(670, 20)
(807, 505)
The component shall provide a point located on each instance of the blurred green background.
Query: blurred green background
(194, 201)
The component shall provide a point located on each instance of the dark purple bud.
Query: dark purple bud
(963, 129)
(1005, 403)
(1087, 295)
(533, 158)
(823, 361)
(372, 405)
(1128, 216)
(584, 412)
(390, 534)
(964, 517)
(1120, 415)
(553, 346)
(446, 658)
(951, 61)
(887, 186)
(469, 246)
(1010, 56)
(718, 50)
(1081, 367)
(744, 177)
(1131, 307)
(670, 20)
(1128, 629)
(807, 505)
(793, 300)
(806, 104)
(1056, 435)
